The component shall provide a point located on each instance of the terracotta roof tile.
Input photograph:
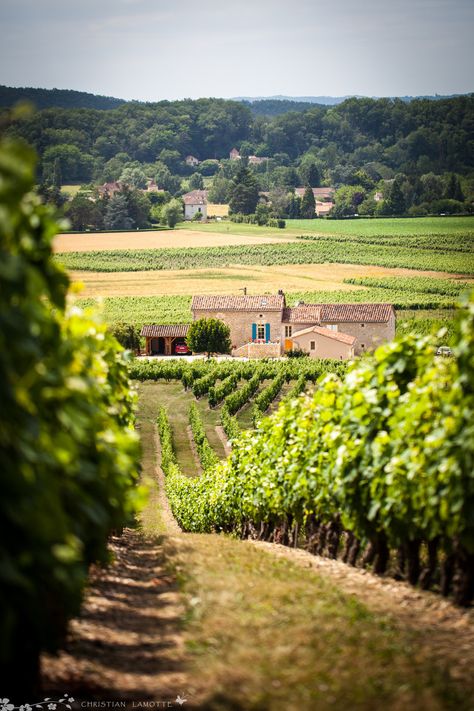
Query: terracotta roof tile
(353, 313)
(195, 197)
(327, 333)
(271, 302)
(173, 330)
(306, 313)
(338, 313)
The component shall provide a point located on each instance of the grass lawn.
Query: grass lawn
(70, 190)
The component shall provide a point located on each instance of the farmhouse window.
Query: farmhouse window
(362, 325)
(312, 345)
(261, 332)
(288, 331)
(332, 327)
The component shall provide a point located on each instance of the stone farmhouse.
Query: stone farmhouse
(195, 202)
(265, 327)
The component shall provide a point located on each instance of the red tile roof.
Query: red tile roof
(195, 197)
(318, 192)
(338, 313)
(306, 313)
(353, 313)
(271, 302)
(173, 330)
(327, 333)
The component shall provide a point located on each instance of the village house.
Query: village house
(192, 161)
(110, 188)
(253, 160)
(195, 202)
(265, 327)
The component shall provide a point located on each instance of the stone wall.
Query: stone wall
(324, 347)
(258, 350)
(368, 335)
(240, 323)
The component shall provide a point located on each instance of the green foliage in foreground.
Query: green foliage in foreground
(312, 251)
(68, 454)
(386, 453)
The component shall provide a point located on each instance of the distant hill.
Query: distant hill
(57, 98)
(325, 100)
(279, 104)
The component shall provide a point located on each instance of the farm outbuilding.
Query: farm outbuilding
(162, 340)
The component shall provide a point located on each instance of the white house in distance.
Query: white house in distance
(192, 161)
(195, 202)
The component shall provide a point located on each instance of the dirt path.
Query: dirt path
(223, 438)
(127, 643)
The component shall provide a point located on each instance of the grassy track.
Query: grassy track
(263, 632)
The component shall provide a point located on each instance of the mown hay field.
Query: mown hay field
(257, 278)
(188, 237)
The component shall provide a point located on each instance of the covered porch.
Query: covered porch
(162, 340)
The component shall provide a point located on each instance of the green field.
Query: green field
(359, 227)
(299, 252)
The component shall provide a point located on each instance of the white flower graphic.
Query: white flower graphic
(6, 705)
(51, 707)
(180, 700)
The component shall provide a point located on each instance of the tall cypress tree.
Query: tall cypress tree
(453, 188)
(308, 204)
(244, 192)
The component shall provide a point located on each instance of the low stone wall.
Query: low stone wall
(258, 350)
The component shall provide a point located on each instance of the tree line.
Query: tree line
(423, 149)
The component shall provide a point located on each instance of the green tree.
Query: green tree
(347, 200)
(243, 192)
(196, 182)
(134, 176)
(82, 212)
(220, 190)
(308, 204)
(57, 175)
(116, 214)
(127, 335)
(172, 213)
(68, 455)
(209, 335)
(165, 180)
(395, 203)
(294, 207)
(309, 172)
(453, 189)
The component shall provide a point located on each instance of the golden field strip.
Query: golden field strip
(259, 279)
(104, 241)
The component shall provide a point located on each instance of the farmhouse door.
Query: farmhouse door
(288, 344)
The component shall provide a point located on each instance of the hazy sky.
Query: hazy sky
(151, 49)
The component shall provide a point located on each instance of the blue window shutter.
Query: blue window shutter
(254, 331)
(267, 332)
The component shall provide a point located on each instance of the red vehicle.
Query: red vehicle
(181, 349)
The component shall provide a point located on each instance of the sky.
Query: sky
(153, 49)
